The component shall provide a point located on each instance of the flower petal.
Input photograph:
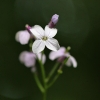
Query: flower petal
(30, 63)
(37, 31)
(52, 44)
(43, 57)
(69, 63)
(27, 58)
(17, 36)
(24, 37)
(72, 61)
(53, 55)
(50, 32)
(22, 56)
(38, 46)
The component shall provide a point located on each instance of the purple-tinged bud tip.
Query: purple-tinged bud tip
(27, 27)
(55, 18)
(53, 21)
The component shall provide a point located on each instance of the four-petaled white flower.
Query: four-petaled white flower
(44, 38)
(61, 54)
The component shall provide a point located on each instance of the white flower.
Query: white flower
(44, 38)
(60, 54)
(22, 37)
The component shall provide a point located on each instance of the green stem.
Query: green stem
(54, 79)
(42, 71)
(58, 73)
(44, 95)
(52, 71)
(43, 77)
(63, 63)
(38, 83)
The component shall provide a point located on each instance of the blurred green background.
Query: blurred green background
(79, 27)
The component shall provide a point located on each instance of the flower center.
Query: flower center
(44, 38)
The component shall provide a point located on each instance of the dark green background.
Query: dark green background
(79, 27)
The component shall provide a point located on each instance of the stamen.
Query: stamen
(44, 38)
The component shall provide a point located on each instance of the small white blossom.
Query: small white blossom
(44, 38)
(60, 54)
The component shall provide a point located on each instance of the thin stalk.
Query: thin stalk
(58, 73)
(52, 71)
(45, 95)
(54, 80)
(38, 83)
(42, 71)
(63, 63)
(43, 77)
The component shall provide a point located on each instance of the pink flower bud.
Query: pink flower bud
(53, 21)
(27, 58)
(22, 37)
(28, 29)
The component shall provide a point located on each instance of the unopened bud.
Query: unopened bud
(60, 71)
(53, 21)
(27, 27)
(68, 49)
